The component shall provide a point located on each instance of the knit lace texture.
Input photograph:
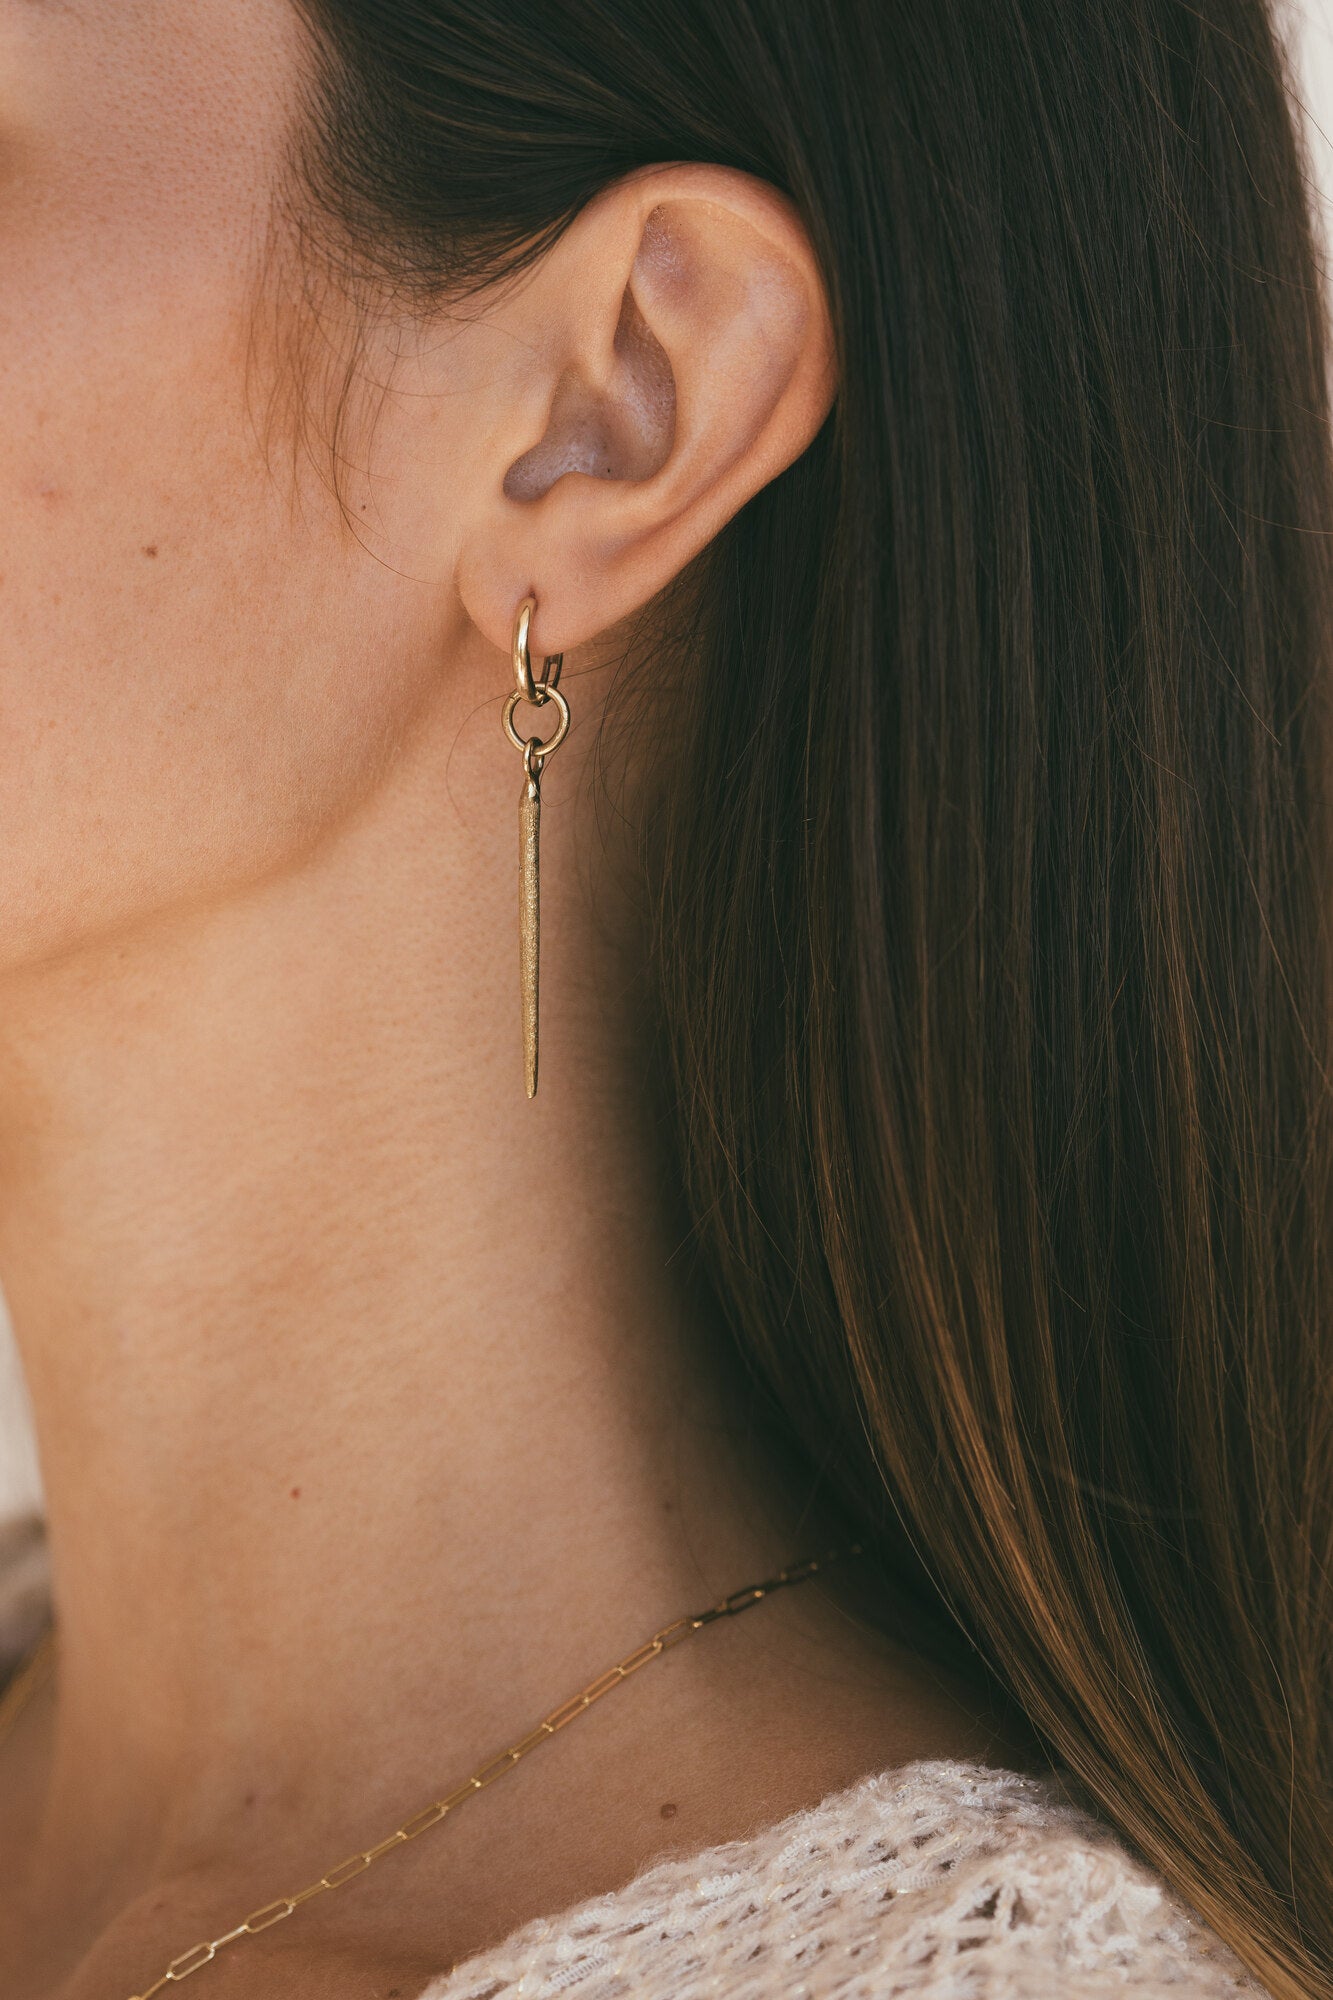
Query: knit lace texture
(940, 1879)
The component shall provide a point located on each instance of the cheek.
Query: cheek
(186, 684)
(189, 687)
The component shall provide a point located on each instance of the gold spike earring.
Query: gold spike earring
(535, 753)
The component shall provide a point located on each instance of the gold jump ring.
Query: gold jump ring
(552, 742)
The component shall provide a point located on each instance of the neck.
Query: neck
(367, 1404)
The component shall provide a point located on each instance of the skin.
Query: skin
(373, 1416)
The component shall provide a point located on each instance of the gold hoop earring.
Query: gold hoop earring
(535, 753)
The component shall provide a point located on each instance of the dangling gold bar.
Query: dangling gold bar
(529, 826)
(535, 751)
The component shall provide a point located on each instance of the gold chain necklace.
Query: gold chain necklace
(34, 1674)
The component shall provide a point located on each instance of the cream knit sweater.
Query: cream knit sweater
(942, 1880)
(939, 1881)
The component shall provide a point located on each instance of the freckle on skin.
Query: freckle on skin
(150, 549)
(296, 1492)
(668, 1811)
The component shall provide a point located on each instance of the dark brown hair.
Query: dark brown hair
(992, 946)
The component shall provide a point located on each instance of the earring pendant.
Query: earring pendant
(535, 752)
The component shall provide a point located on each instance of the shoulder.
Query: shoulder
(939, 1880)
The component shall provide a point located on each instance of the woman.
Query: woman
(894, 442)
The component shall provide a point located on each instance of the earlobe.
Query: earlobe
(688, 347)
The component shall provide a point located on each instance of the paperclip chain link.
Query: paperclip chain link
(432, 1814)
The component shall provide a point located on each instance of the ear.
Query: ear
(677, 354)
